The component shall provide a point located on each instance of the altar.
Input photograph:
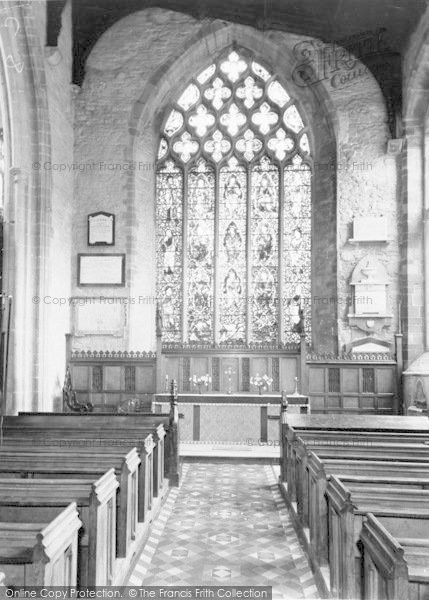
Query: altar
(217, 417)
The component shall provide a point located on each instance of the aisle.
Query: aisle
(226, 525)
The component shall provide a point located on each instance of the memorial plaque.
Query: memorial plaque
(99, 316)
(101, 269)
(370, 299)
(368, 229)
(101, 229)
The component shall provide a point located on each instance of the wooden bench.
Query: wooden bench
(366, 425)
(25, 463)
(393, 568)
(151, 481)
(358, 423)
(319, 473)
(170, 423)
(98, 433)
(41, 555)
(403, 509)
(298, 475)
(332, 438)
(394, 446)
(38, 500)
(340, 438)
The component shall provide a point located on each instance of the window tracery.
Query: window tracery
(234, 209)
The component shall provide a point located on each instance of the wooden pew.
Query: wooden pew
(403, 509)
(96, 432)
(39, 500)
(35, 417)
(393, 568)
(26, 463)
(298, 449)
(170, 423)
(337, 438)
(41, 555)
(363, 423)
(104, 442)
(298, 475)
(319, 473)
(315, 425)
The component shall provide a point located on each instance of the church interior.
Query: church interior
(236, 399)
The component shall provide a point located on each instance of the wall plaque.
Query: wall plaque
(101, 269)
(370, 296)
(369, 229)
(99, 316)
(101, 229)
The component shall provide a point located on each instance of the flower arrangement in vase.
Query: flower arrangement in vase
(200, 382)
(261, 382)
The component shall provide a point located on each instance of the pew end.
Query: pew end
(397, 566)
(34, 554)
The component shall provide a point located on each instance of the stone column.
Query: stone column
(413, 261)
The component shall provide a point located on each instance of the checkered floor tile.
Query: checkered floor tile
(226, 525)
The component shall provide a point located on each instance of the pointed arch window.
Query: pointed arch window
(234, 209)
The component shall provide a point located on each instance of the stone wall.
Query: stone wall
(117, 72)
(77, 151)
(132, 75)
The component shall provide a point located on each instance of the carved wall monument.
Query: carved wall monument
(370, 300)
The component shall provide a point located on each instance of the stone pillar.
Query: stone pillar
(425, 183)
(416, 263)
(413, 261)
(18, 284)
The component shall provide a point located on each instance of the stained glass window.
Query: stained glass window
(265, 255)
(297, 246)
(234, 209)
(232, 239)
(200, 252)
(169, 218)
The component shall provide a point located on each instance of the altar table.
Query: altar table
(243, 418)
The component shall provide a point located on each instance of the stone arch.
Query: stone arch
(158, 48)
(27, 141)
(416, 71)
(166, 84)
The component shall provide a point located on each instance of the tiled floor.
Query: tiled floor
(226, 525)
